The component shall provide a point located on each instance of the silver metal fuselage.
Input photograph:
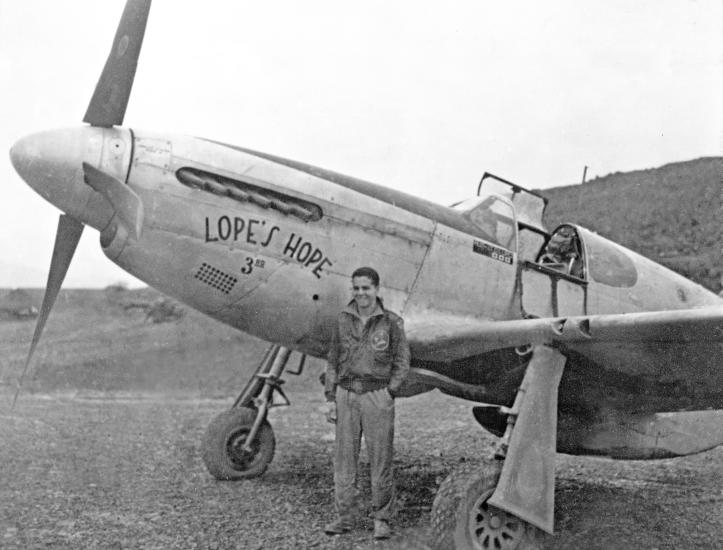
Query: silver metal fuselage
(287, 277)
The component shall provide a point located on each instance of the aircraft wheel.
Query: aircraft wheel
(462, 519)
(222, 453)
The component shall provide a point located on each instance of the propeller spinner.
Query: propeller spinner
(59, 164)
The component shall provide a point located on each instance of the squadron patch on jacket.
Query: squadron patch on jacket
(380, 340)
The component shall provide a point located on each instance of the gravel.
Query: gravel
(112, 471)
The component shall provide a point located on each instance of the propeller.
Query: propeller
(127, 205)
(108, 105)
(107, 108)
(66, 241)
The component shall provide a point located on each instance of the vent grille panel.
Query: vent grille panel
(246, 192)
(215, 278)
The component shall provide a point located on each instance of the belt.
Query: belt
(363, 385)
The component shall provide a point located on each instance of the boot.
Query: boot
(338, 527)
(382, 529)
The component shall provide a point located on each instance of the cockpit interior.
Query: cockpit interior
(563, 252)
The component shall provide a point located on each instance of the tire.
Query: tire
(224, 436)
(462, 520)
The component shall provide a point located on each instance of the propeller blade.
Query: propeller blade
(66, 241)
(108, 105)
(127, 205)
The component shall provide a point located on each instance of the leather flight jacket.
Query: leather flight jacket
(367, 356)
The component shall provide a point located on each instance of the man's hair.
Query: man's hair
(367, 272)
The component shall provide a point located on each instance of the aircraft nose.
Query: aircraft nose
(22, 154)
(50, 163)
(18, 154)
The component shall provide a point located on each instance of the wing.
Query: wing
(439, 337)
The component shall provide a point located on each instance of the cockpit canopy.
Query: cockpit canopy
(585, 255)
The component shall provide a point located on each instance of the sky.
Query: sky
(421, 96)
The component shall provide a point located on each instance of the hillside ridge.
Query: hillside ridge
(672, 214)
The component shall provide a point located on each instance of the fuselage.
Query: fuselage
(267, 245)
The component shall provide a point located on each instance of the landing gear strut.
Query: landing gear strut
(507, 501)
(239, 443)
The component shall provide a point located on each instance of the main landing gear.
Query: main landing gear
(507, 501)
(239, 443)
(462, 517)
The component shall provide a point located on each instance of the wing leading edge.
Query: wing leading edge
(439, 337)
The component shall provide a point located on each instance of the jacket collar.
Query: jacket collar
(352, 309)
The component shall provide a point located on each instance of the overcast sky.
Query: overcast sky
(417, 95)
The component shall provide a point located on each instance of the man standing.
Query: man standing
(368, 360)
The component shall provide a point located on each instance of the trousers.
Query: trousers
(371, 414)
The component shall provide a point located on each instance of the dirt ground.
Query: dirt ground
(103, 451)
(93, 470)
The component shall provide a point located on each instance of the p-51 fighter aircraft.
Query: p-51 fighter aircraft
(564, 340)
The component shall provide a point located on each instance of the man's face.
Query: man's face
(364, 292)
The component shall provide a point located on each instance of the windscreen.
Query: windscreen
(494, 217)
(529, 206)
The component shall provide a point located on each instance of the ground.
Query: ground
(103, 451)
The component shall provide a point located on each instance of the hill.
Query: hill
(672, 214)
(105, 340)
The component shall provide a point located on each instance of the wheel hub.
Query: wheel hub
(495, 522)
(239, 457)
(494, 529)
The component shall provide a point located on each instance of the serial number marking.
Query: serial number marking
(494, 252)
